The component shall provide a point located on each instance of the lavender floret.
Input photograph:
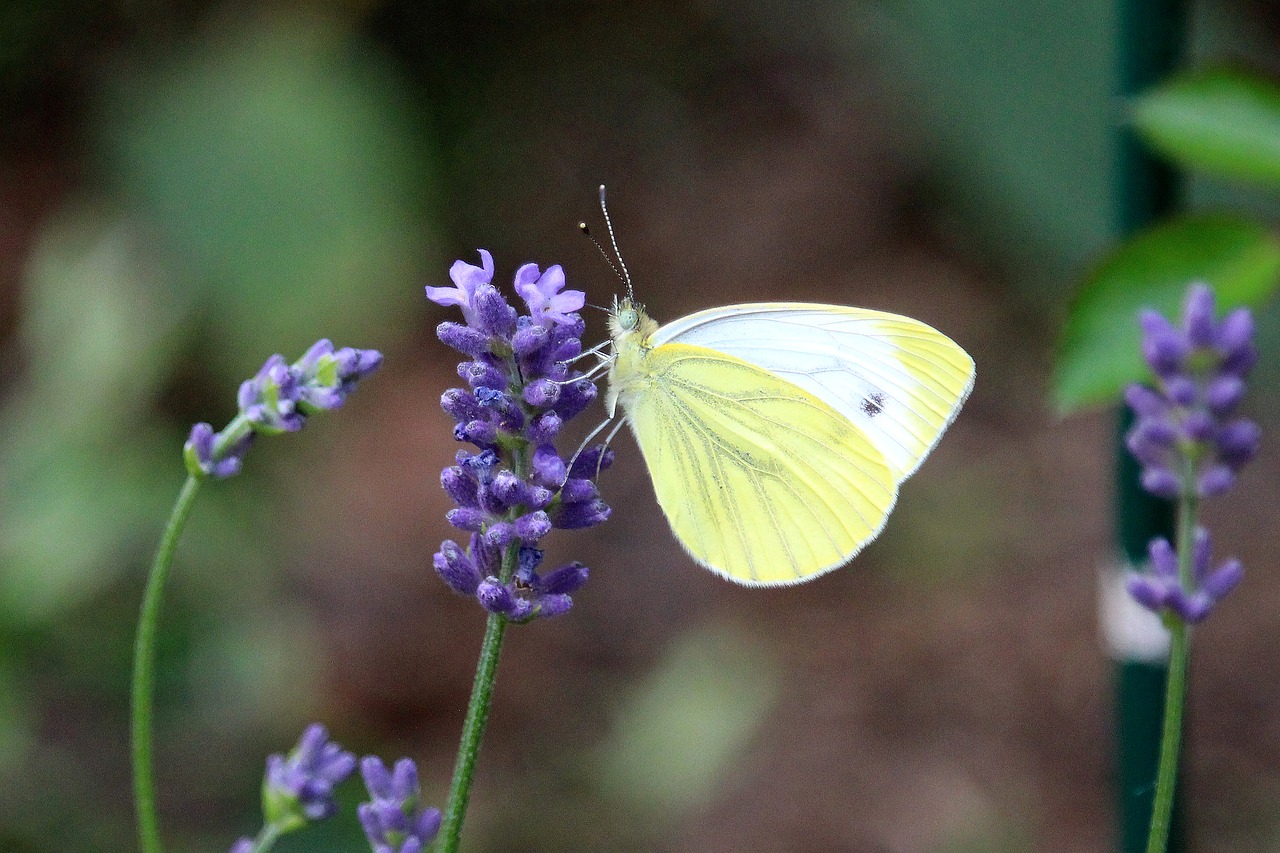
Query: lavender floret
(299, 787)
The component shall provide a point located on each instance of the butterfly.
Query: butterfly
(776, 434)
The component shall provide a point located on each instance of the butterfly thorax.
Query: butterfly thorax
(630, 329)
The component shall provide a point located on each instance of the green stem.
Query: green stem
(266, 838)
(472, 734)
(1175, 689)
(144, 657)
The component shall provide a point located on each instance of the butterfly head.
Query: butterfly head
(628, 318)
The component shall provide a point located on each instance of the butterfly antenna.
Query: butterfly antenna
(586, 232)
(626, 276)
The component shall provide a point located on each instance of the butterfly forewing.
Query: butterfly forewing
(762, 481)
(898, 380)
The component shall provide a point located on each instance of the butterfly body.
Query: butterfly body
(776, 434)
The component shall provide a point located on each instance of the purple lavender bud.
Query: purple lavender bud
(1214, 481)
(1191, 608)
(1238, 443)
(1151, 440)
(487, 558)
(462, 489)
(461, 405)
(1225, 579)
(548, 468)
(1223, 393)
(544, 428)
(1235, 333)
(1164, 560)
(508, 490)
(576, 491)
(1145, 402)
(456, 568)
(1197, 316)
(591, 461)
(500, 534)
(1163, 346)
(580, 516)
(244, 845)
(496, 598)
(553, 605)
(494, 315)
(575, 397)
(538, 497)
(464, 339)
(1147, 591)
(1180, 389)
(479, 374)
(325, 377)
(1161, 482)
(198, 453)
(542, 393)
(529, 340)
(565, 579)
(479, 433)
(531, 527)
(466, 518)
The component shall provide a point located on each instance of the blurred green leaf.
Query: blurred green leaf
(1100, 351)
(681, 728)
(276, 156)
(1220, 121)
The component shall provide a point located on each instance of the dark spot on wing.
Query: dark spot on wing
(873, 404)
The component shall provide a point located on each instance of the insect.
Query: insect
(776, 434)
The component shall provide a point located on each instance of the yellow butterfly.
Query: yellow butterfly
(777, 433)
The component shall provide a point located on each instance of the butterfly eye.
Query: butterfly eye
(628, 319)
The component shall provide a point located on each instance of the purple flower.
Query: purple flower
(299, 787)
(279, 398)
(467, 279)
(1185, 434)
(521, 391)
(244, 845)
(542, 292)
(395, 820)
(1162, 590)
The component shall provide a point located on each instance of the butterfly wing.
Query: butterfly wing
(900, 381)
(762, 481)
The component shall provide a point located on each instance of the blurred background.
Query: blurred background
(187, 187)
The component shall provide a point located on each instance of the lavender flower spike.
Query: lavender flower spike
(395, 821)
(1185, 436)
(516, 486)
(299, 787)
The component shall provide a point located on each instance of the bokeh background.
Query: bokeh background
(188, 187)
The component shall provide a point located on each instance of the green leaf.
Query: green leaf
(1100, 351)
(1223, 122)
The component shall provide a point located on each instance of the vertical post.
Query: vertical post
(1150, 44)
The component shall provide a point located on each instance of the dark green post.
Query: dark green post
(1151, 36)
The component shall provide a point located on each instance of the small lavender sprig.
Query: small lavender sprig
(1190, 446)
(395, 820)
(516, 487)
(297, 789)
(278, 399)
